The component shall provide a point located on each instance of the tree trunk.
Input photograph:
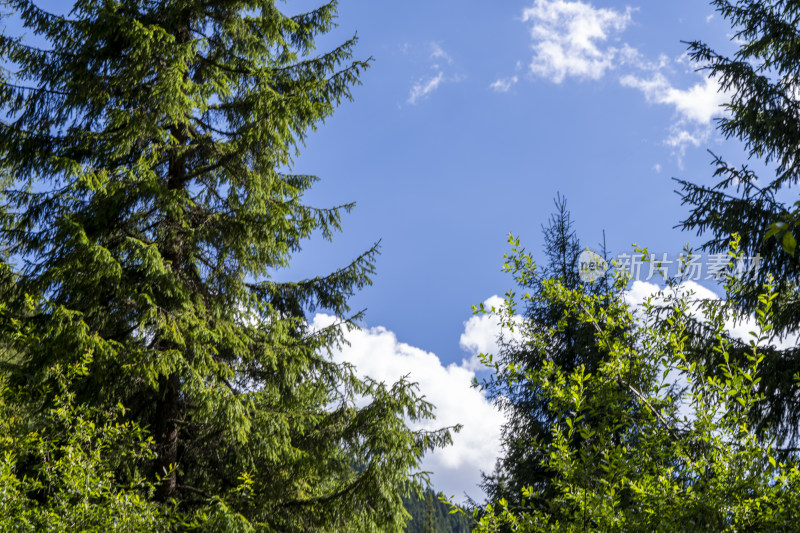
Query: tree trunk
(166, 429)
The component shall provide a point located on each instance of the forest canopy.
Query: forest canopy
(161, 368)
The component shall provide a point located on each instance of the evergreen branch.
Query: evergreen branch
(325, 499)
(317, 291)
(5, 84)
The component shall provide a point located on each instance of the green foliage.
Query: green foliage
(148, 149)
(654, 440)
(65, 474)
(761, 78)
(430, 514)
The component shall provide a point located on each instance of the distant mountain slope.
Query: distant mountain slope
(429, 515)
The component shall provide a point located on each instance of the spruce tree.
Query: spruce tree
(571, 345)
(150, 145)
(761, 77)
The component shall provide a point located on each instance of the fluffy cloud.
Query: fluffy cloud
(694, 107)
(377, 353)
(481, 333)
(569, 39)
(572, 38)
(699, 103)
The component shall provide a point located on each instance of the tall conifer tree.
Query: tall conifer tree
(148, 142)
(572, 345)
(763, 112)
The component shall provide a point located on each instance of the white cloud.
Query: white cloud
(695, 107)
(680, 138)
(657, 168)
(573, 38)
(438, 53)
(699, 103)
(569, 37)
(424, 87)
(738, 329)
(439, 61)
(481, 333)
(503, 85)
(377, 353)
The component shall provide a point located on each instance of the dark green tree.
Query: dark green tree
(149, 145)
(429, 513)
(763, 113)
(527, 411)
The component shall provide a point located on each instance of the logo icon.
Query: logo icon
(591, 266)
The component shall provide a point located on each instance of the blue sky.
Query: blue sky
(442, 166)
(473, 116)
